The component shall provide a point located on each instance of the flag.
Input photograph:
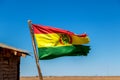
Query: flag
(54, 42)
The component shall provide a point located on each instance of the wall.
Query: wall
(9, 65)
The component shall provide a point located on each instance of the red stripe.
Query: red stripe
(83, 35)
(40, 29)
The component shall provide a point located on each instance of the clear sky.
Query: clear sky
(100, 19)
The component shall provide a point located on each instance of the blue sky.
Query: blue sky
(100, 19)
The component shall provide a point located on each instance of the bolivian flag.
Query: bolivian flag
(55, 42)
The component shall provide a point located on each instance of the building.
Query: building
(10, 62)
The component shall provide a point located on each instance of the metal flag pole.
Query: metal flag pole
(35, 50)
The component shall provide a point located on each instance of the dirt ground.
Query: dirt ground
(74, 78)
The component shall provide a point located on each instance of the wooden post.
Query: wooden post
(35, 51)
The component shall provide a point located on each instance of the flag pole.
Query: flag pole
(35, 50)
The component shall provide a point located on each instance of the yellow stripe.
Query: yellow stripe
(53, 39)
(79, 40)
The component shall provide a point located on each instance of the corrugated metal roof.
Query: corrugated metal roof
(12, 48)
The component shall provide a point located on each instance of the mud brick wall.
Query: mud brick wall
(9, 65)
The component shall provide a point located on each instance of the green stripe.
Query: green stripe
(54, 52)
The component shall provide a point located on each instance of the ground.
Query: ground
(74, 78)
